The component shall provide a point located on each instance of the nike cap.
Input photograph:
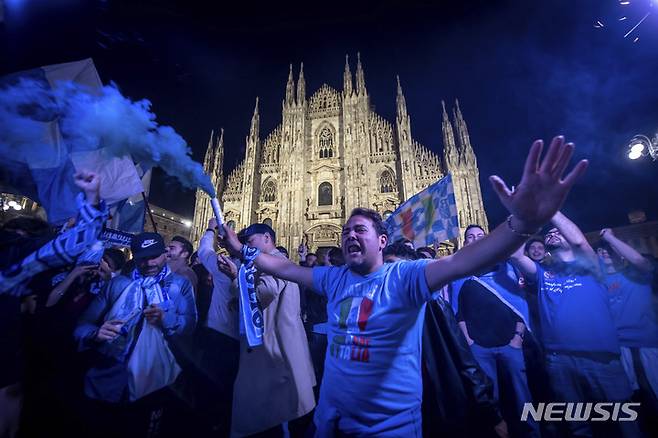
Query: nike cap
(147, 246)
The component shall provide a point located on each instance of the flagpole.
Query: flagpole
(148, 209)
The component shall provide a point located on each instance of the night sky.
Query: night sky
(520, 69)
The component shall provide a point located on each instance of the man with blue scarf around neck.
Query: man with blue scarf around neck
(129, 326)
(493, 315)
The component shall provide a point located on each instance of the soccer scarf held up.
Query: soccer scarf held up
(251, 320)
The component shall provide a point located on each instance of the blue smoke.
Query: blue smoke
(90, 119)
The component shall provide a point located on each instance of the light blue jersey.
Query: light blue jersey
(372, 381)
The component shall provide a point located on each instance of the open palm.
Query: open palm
(542, 189)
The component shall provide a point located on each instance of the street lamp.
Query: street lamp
(13, 204)
(641, 146)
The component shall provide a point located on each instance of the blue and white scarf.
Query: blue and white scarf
(60, 251)
(151, 285)
(251, 322)
(129, 307)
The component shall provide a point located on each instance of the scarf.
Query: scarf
(515, 303)
(151, 285)
(251, 321)
(129, 307)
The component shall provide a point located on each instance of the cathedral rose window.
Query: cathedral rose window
(325, 194)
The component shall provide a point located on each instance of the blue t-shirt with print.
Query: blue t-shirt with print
(372, 368)
(633, 308)
(573, 310)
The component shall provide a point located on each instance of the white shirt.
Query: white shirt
(220, 317)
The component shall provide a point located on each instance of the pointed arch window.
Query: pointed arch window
(387, 182)
(267, 221)
(325, 194)
(269, 191)
(271, 154)
(326, 143)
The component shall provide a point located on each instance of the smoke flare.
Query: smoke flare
(91, 118)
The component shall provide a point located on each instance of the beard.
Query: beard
(555, 245)
(551, 247)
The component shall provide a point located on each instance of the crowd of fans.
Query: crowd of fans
(375, 337)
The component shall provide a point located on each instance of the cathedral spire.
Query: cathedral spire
(400, 101)
(450, 152)
(290, 89)
(210, 150)
(347, 78)
(301, 86)
(202, 209)
(360, 79)
(467, 156)
(255, 122)
(217, 171)
(457, 112)
(219, 151)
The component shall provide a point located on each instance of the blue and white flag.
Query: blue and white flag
(38, 160)
(129, 214)
(429, 217)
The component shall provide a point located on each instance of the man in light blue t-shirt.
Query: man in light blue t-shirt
(372, 383)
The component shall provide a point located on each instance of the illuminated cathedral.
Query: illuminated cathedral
(331, 153)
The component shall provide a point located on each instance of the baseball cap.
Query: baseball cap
(147, 245)
(256, 229)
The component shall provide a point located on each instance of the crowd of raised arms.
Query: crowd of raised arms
(525, 331)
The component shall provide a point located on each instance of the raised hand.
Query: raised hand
(212, 223)
(230, 240)
(82, 269)
(90, 183)
(109, 330)
(542, 189)
(303, 251)
(606, 233)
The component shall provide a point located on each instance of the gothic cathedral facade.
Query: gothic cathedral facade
(330, 154)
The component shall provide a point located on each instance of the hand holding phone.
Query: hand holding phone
(109, 330)
(154, 314)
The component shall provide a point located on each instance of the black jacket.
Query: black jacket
(457, 395)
